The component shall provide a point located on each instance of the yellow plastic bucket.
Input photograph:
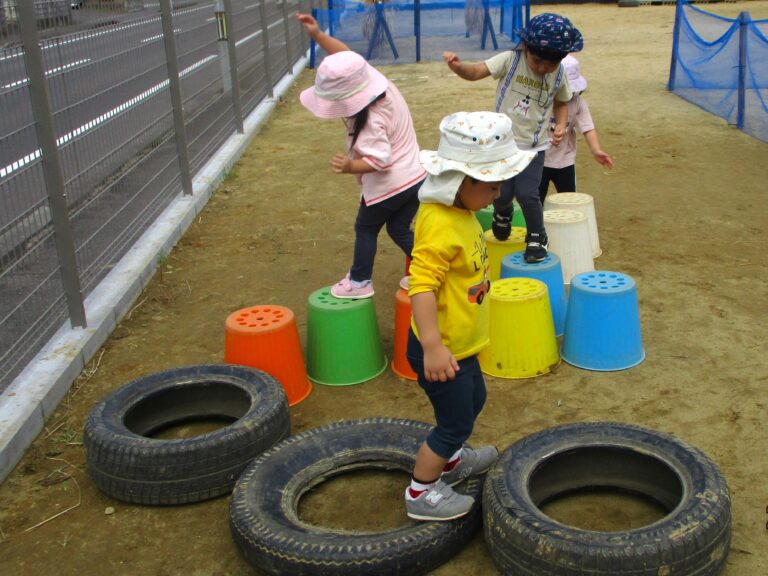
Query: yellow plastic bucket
(522, 332)
(497, 249)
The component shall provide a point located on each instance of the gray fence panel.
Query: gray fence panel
(113, 122)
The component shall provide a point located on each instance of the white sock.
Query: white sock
(360, 284)
(417, 487)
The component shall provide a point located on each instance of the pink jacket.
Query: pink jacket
(388, 143)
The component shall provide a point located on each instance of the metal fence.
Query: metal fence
(721, 65)
(101, 128)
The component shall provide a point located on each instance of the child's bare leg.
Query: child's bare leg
(428, 466)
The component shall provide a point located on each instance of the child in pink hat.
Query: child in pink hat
(560, 160)
(382, 152)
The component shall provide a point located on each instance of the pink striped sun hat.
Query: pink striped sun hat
(345, 84)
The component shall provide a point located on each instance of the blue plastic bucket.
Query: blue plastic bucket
(602, 323)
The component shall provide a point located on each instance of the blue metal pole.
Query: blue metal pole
(312, 46)
(675, 45)
(743, 30)
(417, 27)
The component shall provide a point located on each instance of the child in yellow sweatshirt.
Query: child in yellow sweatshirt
(448, 286)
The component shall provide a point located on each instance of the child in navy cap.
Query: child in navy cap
(532, 87)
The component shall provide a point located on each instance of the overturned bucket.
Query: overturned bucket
(266, 337)
(343, 341)
(602, 324)
(522, 333)
(547, 271)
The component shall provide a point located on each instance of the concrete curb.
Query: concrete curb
(34, 395)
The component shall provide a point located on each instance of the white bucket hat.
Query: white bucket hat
(345, 84)
(576, 81)
(478, 144)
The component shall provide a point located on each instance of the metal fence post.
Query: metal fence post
(222, 24)
(312, 43)
(742, 94)
(265, 44)
(52, 169)
(417, 27)
(288, 51)
(172, 65)
(232, 57)
(675, 46)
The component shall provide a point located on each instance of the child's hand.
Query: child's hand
(340, 163)
(453, 60)
(309, 23)
(603, 159)
(439, 364)
(558, 134)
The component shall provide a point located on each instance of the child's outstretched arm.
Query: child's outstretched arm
(328, 43)
(466, 70)
(439, 363)
(601, 157)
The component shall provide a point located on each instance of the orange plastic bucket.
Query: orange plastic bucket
(266, 337)
(400, 364)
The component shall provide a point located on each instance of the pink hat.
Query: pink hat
(577, 82)
(345, 84)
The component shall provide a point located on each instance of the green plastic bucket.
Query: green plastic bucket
(343, 342)
(485, 217)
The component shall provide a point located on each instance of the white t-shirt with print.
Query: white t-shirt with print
(527, 98)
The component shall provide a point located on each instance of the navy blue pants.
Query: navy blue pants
(456, 402)
(397, 213)
(564, 180)
(524, 187)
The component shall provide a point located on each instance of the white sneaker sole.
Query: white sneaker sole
(435, 518)
(351, 296)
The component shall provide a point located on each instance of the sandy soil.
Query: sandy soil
(683, 212)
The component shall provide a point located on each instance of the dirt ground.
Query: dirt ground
(683, 212)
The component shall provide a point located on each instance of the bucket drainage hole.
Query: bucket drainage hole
(192, 428)
(357, 501)
(604, 510)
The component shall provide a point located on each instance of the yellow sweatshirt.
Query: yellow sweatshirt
(450, 259)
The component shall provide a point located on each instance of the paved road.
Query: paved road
(114, 125)
(99, 77)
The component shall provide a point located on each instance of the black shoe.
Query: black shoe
(501, 226)
(536, 247)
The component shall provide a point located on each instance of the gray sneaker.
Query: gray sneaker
(472, 462)
(440, 502)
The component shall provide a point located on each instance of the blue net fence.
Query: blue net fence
(721, 65)
(400, 32)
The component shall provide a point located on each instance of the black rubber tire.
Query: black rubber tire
(693, 539)
(266, 526)
(128, 465)
(629, 3)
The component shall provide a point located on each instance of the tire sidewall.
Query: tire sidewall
(702, 517)
(263, 509)
(110, 413)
